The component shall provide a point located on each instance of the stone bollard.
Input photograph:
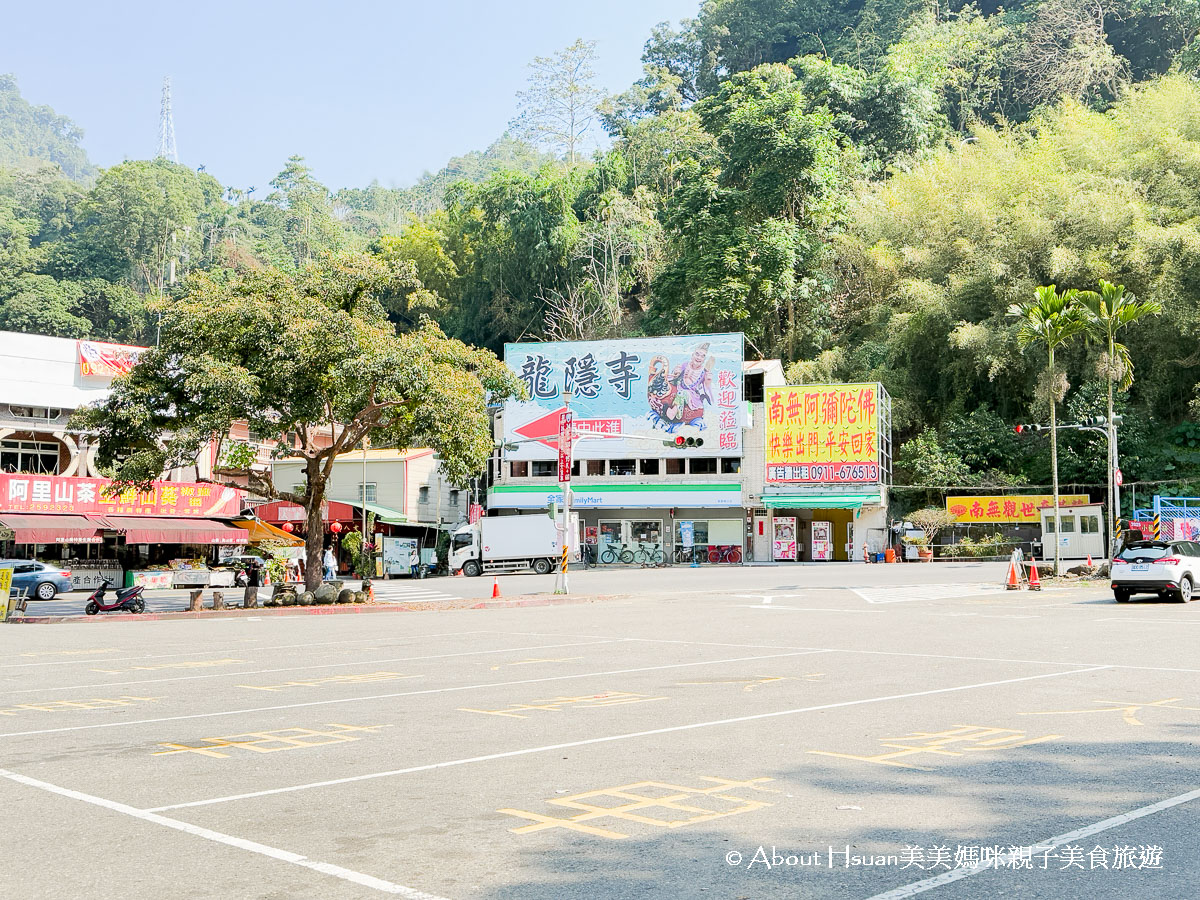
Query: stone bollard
(250, 598)
(195, 601)
(218, 600)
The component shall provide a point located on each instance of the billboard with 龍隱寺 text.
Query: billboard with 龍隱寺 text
(627, 396)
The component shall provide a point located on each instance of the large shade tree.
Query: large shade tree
(309, 359)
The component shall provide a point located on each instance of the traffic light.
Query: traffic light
(1094, 421)
(1030, 429)
(684, 443)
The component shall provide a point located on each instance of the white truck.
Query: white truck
(506, 544)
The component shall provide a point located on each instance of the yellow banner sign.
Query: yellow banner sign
(823, 433)
(1021, 509)
(5, 587)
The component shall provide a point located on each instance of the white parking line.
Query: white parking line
(445, 690)
(621, 737)
(95, 658)
(208, 834)
(352, 662)
(1002, 659)
(919, 887)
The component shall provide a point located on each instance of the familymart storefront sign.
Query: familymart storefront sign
(622, 496)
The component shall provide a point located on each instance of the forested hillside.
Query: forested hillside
(31, 135)
(863, 188)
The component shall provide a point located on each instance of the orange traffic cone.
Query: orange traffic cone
(1089, 562)
(1035, 583)
(1014, 582)
(495, 587)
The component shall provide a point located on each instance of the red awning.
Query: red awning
(155, 530)
(29, 528)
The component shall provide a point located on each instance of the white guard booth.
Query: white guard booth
(1081, 534)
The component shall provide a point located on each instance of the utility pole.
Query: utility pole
(566, 428)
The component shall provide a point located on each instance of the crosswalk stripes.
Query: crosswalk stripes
(909, 593)
(402, 593)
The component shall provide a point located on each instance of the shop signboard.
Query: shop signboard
(826, 434)
(1017, 509)
(96, 496)
(783, 543)
(100, 360)
(628, 396)
(152, 581)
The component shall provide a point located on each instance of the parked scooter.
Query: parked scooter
(130, 599)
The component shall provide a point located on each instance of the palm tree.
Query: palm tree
(1107, 312)
(1051, 319)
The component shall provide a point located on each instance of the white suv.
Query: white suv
(1156, 567)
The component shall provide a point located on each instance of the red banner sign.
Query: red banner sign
(564, 446)
(107, 360)
(95, 496)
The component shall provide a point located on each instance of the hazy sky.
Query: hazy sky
(361, 89)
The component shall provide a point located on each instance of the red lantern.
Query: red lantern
(336, 527)
(289, 527)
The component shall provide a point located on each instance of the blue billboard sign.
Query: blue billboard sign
(628, 396)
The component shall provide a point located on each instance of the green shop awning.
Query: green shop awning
(819, 501)
(382, 513)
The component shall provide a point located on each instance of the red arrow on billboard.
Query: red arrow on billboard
(544, 430)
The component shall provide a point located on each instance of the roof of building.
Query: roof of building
(36, 370)
(382, 455)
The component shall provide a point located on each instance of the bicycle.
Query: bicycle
(684, 554)
(610, 555)
(651, 557)
(728, 554)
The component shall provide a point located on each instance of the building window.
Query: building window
(595, 467)
(423, 494)
(648, 466)
(1068, 524)
(372, 493)
(730, 465)
(622, 467)
(676, 466)
(454, 498)
(299, 488)
(1089, 524)
(35, 457)
(575, 468)
(41, 413)
(544, 468)
(518, 469)
(702, 465)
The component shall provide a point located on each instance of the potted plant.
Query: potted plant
(931, 521)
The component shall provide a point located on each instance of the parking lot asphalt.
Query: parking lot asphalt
(948, 739)
(608, 580)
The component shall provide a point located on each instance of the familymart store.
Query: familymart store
(683, 522)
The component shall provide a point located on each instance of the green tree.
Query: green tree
(1109, 311)
(747, 231)
(142, 221)
(558, 106)
(309, 228)
(307, 358)
(1051, 319)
